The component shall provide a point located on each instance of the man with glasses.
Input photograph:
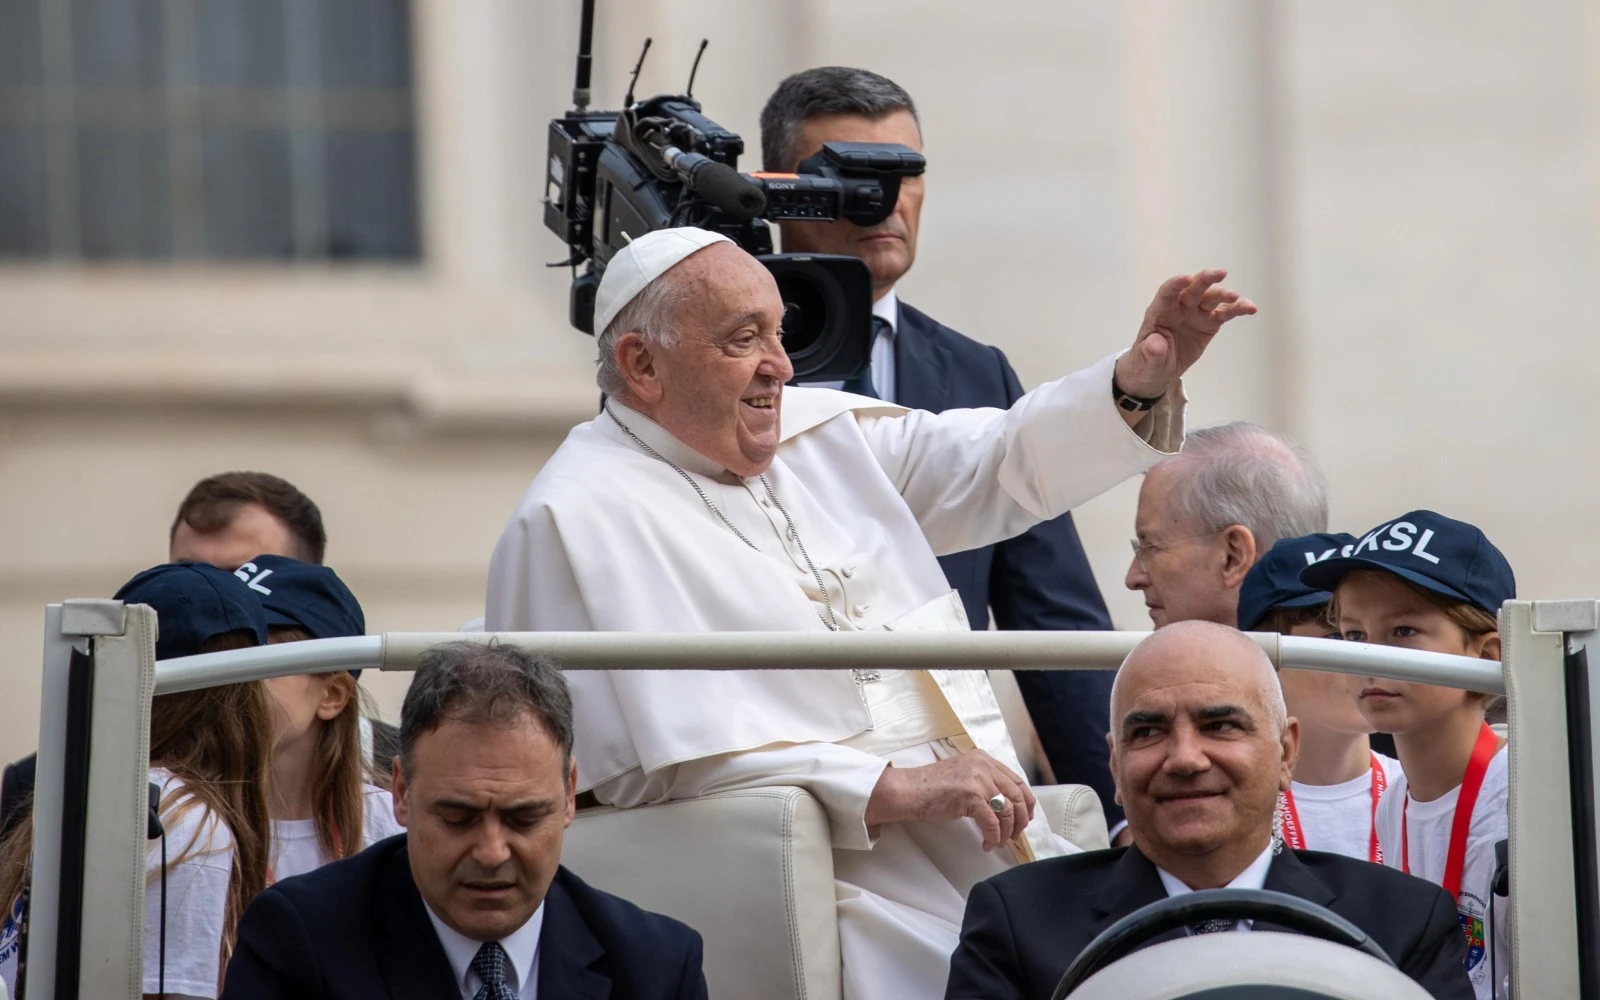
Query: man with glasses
(1207, 514)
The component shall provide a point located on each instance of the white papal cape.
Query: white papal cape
(610, 538)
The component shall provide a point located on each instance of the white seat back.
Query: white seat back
(751, 870)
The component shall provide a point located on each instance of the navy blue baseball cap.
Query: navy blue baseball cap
(1274, 581)
(305, 596)
(194, 603)
(1434, 552)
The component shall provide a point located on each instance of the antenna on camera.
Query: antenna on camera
(627, 102)
(580, 86)
(689, 90)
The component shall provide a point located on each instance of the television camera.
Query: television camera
(613, 176)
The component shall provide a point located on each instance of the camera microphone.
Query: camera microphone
(719, 184)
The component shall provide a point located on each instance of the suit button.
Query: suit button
(862, 609)
(848, 572)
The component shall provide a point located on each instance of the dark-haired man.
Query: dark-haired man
(225, 519)
(471, 901)
(1039, 580)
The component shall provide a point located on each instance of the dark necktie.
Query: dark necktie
(1213, 926)
(862, 385)
(490, 965)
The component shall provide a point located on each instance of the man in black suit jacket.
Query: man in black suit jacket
(1023, 928)
(1039, 580)
(471, 902)
(359, 928)
(1201, 749)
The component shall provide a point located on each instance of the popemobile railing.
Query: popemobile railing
(91, 806)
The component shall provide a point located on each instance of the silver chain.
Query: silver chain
(830, 619)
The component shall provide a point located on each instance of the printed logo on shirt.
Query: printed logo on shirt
(10, 938)
(1472, 927)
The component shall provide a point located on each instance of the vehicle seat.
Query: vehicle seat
(752, 871)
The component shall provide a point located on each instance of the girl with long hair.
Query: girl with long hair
(208, 758)
(327, 802)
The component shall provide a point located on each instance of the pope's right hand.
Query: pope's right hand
(953, 788)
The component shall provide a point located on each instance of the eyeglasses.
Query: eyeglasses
(1142, 550)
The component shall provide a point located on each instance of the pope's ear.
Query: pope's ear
(636, 359)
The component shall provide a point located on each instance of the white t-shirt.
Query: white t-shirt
(11, 944)
(197, 897)
(295, 849)
(197, 900)
(1428, 837)
(1338, 818)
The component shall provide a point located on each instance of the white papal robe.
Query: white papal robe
(610, 538)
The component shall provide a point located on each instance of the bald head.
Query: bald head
(1204, 650)
(1200, 748)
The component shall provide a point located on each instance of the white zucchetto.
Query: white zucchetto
(641, 262)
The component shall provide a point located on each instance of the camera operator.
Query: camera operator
(1039, 580)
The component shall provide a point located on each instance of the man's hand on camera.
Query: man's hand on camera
(950, 789)
(1187, 312)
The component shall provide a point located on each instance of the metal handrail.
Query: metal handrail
(809, 651)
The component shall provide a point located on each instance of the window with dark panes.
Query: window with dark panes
(207, 129)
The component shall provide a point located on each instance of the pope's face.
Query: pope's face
(719, 388)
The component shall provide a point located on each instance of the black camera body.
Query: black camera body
(613, 176)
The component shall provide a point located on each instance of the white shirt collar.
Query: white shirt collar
(657, 437)
(888, 310)
(522, 951)
(1253, 877)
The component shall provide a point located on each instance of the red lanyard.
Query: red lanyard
(1456, 860)
(1294, 835)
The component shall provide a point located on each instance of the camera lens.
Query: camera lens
(805, 312)
(827, 313)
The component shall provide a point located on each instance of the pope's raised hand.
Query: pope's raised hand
(1187, 312)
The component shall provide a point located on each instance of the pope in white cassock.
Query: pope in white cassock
(689, 505)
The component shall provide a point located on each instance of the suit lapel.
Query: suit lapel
(1288, 875)
(921, 363)
(412, 961)
(567, 949)
(1132, 883)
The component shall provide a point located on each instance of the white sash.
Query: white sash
(971, 697)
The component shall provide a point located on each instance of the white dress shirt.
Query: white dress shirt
(888, 310)
(522, 955)
(1253, 877)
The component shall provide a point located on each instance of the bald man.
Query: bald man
(1200, 748)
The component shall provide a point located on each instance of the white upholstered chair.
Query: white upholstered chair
(752, 871)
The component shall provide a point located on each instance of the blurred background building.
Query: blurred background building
(304, 236)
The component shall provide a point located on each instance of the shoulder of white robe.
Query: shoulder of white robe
(806, 407)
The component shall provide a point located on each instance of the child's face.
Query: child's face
(1382, 609)
(1321, 699)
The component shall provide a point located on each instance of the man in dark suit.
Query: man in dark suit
(471, 902)
(1200, 750)
(1039, 580)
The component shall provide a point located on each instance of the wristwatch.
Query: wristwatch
(1133, 404)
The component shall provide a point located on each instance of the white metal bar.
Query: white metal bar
(809, 651)
(48, 796)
